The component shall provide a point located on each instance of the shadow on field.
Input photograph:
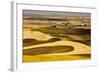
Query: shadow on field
(29, 42)
(47, 50)
(81, 55)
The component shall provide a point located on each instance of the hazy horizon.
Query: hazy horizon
(53, 13)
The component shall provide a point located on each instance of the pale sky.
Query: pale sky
(53, 13)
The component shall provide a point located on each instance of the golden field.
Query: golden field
(56, 38)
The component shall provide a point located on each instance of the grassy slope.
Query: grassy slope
(48, 50)
(67, 34)
(29, 42)
(59, 33)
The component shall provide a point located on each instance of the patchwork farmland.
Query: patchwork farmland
(56, 37)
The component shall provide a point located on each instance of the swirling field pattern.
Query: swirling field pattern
(56, 36)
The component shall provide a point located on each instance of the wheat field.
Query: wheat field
(56, 36)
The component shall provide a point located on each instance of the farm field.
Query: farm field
(56, 38)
